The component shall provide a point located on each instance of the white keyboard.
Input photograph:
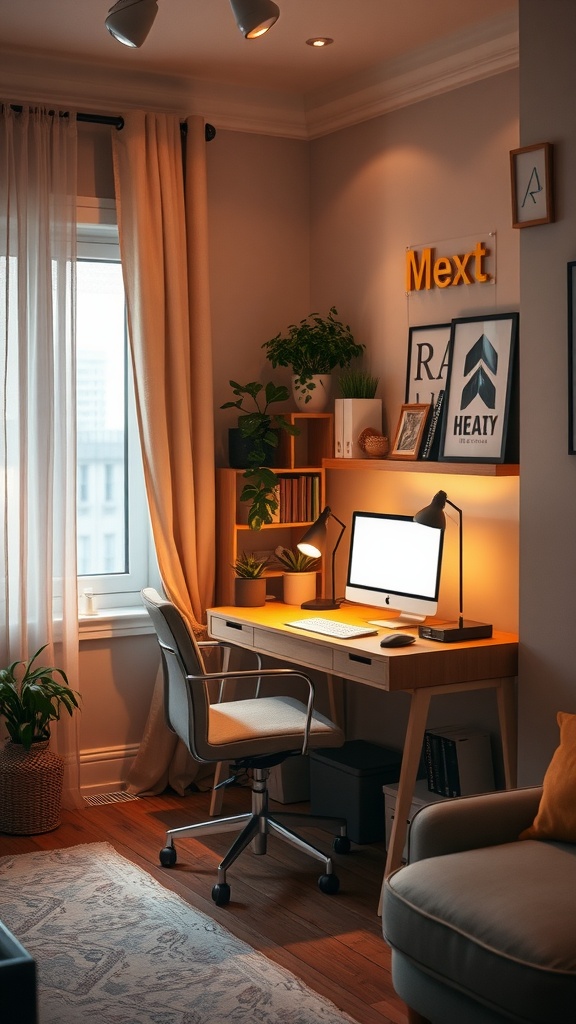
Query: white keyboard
(340, 630)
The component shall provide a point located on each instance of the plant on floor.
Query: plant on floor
(31, 698)
(261, 428)
(295, 561)
(316, 345)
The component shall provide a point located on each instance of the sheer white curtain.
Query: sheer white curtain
(38, 591)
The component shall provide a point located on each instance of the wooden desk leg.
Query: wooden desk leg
(508, 718)
(417, 718)
(217, 797)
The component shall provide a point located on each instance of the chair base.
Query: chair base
(255, 827)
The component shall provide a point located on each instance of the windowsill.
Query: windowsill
(113, 622)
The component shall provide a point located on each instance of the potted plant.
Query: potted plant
(259, 430)
(31, 775)
(313, 348)
(356, 412)
(299, 577)
(250, 582)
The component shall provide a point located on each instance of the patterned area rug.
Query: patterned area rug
(113, 946)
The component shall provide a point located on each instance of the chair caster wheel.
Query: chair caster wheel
(221, 894)
(341, 844)
(329, 884)
(168, 857)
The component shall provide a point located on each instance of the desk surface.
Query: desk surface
(424, 663)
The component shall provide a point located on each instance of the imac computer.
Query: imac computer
(394, 563)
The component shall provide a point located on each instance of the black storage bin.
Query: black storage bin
(347, 782)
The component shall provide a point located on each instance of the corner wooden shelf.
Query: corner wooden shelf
(408, 466)
(300, 454)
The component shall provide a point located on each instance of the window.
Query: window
(114, 547)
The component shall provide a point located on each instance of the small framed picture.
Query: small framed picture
(572, 358)
(482, 390)
(531, 178)
(427, 369)
(409, 432)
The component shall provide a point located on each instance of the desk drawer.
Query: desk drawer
(362, 667)
(291, 648)
(237, 632)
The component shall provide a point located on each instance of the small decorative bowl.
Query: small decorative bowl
(373, 444)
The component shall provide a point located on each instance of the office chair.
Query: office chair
(254, 734)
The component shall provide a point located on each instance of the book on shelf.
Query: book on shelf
(298, 498)
(458, 761)
(431, 446)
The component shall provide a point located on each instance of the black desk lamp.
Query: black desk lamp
(433, 515)
(313, 543)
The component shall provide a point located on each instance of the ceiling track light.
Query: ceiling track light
(130, 21)
(254, 17)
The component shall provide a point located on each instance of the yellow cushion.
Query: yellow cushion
(556, 817)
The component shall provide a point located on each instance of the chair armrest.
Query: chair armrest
(469, 823)
(265, 673)
(227, 647)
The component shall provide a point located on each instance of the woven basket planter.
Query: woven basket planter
(30, 789)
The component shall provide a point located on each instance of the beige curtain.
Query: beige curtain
(160, 181)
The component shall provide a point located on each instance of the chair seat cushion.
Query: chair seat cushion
(498, 924)
(278, 722)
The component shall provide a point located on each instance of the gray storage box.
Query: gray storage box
(289, 782)
(348, 781)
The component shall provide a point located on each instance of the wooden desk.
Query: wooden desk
(424, 670)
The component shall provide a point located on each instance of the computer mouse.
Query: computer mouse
(397, 640)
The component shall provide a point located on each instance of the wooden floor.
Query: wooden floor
(333, 943)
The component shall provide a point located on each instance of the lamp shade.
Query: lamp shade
(130, 21)
(313, 542)
(433, 514)
(254, 17)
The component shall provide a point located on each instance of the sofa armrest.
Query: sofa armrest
(468, 823)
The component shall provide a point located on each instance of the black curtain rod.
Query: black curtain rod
(118, 122)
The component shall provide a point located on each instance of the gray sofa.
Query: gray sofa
(482, 926)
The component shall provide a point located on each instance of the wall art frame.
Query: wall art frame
(532, 187)
(427, 365)
(482, 390)
(572, 357)
(410, 430)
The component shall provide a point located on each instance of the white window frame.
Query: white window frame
(98, 239)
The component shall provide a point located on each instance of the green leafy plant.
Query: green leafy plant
(250, 566)
(317, 345)
(358, 384)
(295, 561)
(261, 428)
(30, 698)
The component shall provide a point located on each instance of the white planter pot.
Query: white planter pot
(319, 396)
(298, 587)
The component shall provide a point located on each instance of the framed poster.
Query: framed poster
(409, 432)
(427, 369)
(531, 179)
(572, 358)
(479, 392)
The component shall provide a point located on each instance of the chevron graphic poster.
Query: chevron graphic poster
(481, 389)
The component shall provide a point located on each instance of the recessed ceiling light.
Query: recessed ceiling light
(319, 41)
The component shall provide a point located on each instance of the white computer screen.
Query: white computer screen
(394, 563)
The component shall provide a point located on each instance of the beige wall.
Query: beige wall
(435, 173)
(548, 485)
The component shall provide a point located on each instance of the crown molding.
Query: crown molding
(27, 77)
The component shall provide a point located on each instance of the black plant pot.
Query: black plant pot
(240, 447)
